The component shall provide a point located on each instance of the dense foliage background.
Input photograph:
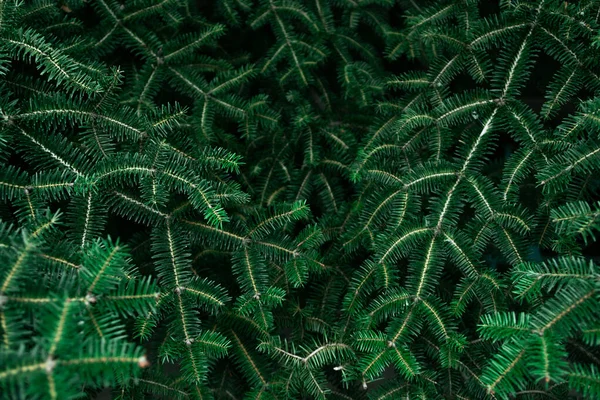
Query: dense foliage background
(278, 199)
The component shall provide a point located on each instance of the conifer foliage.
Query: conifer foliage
(285, 199)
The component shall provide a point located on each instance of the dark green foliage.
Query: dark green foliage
(299, 199)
